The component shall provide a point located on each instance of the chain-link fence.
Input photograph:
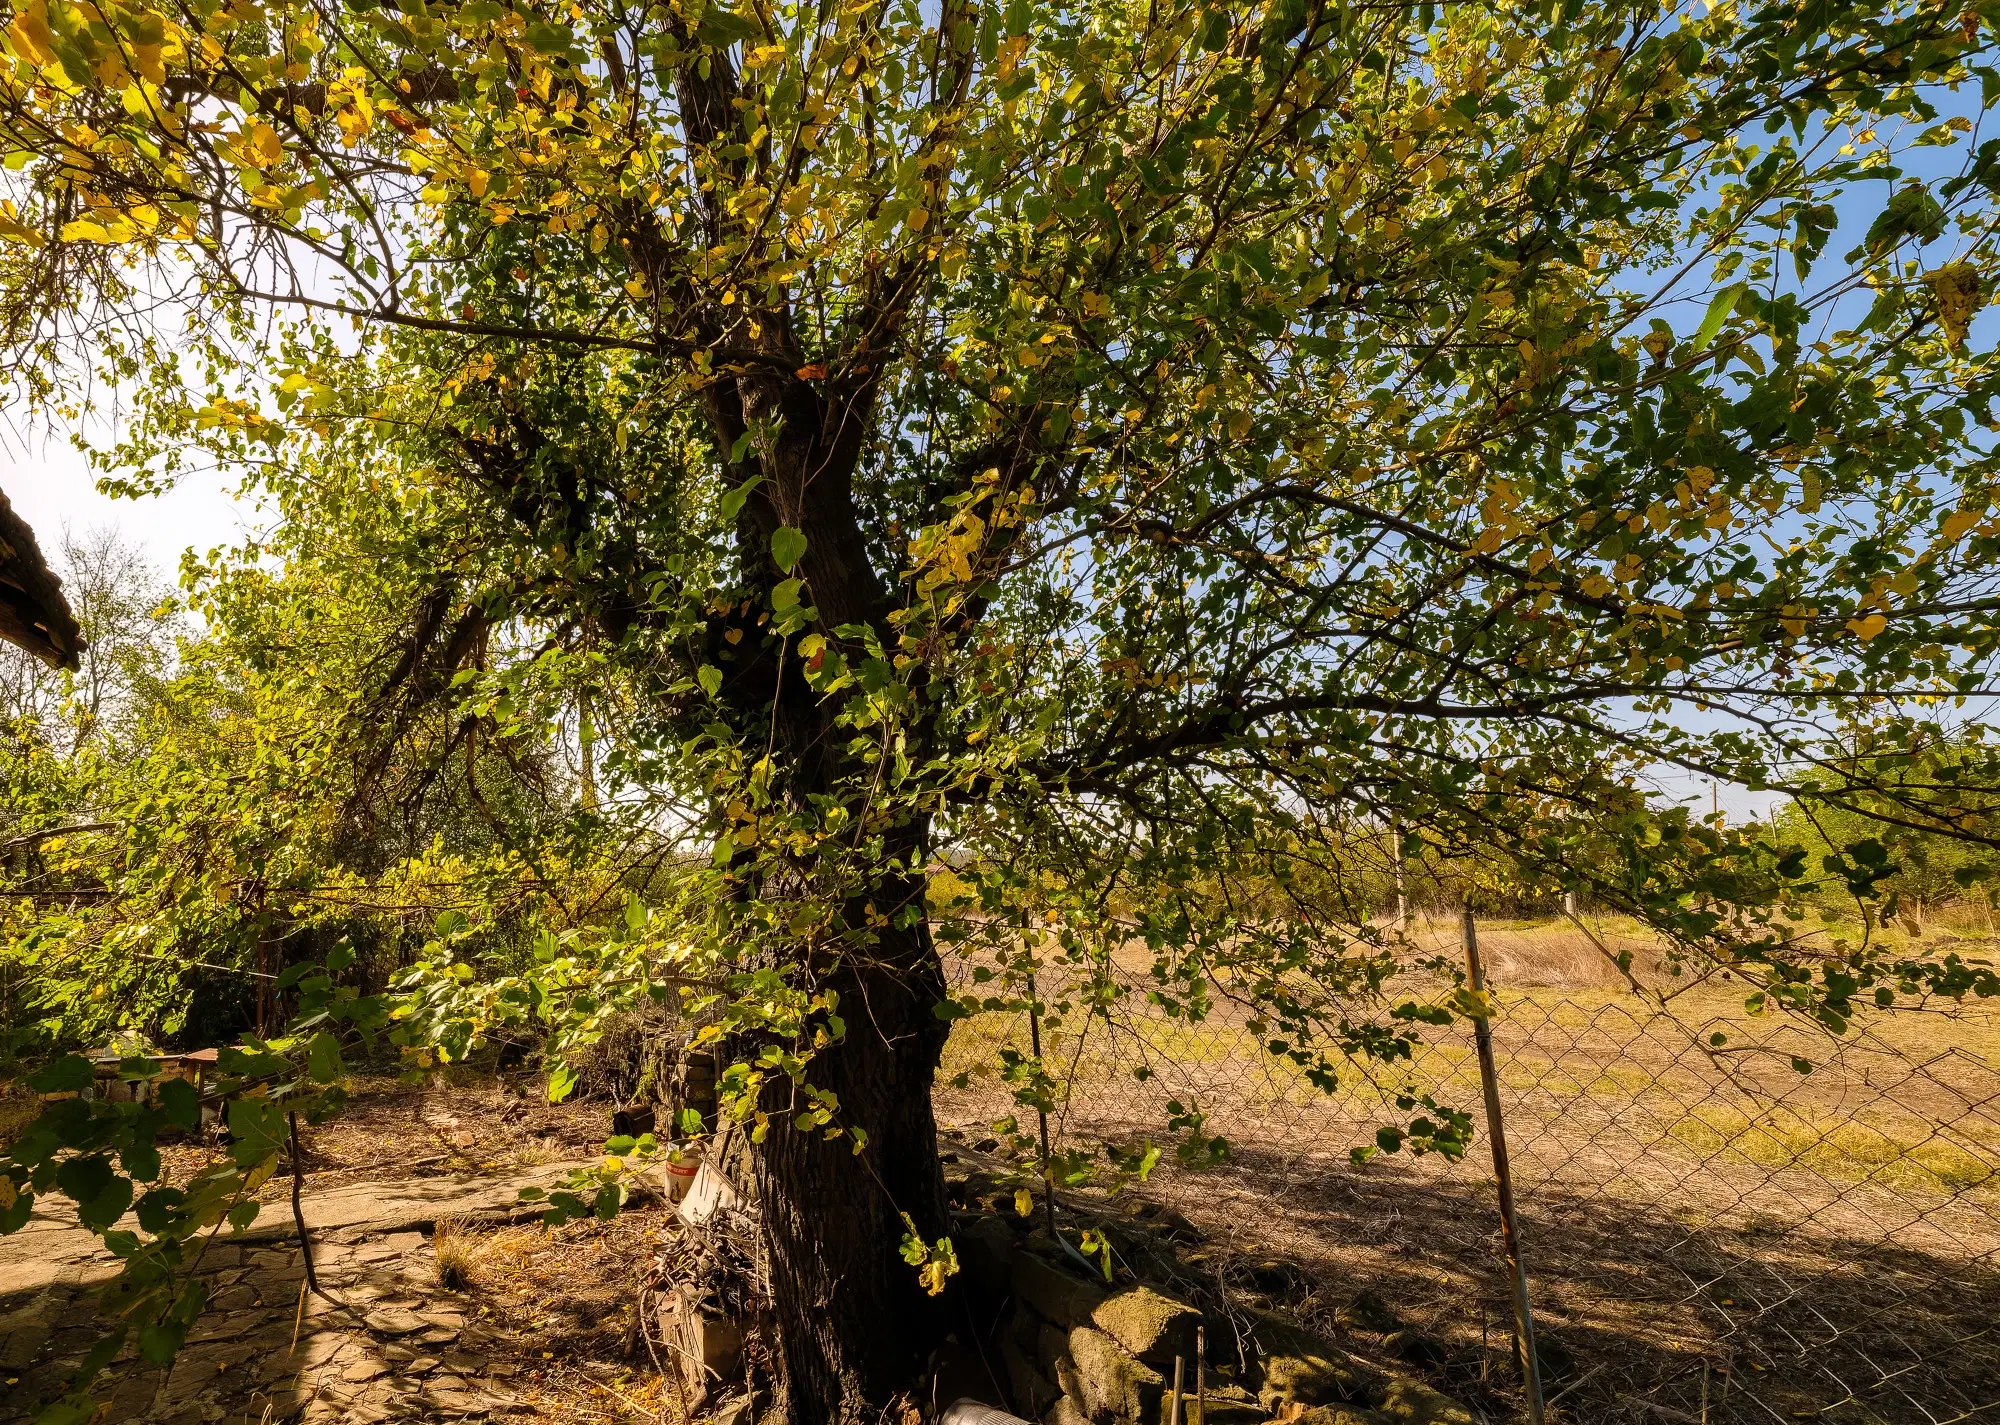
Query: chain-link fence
(1712, 1234)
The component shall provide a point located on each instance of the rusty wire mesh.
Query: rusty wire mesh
(1712, 1234)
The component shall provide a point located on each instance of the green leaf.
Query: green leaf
(102, 1352)
(158, 1208)
(178, 1102)
(70, 1410)
(1719, 308)
(721, 28)
(256, 1129)
(107, 1207)
(160, 1341)
(323, 1058)
(70, 1074)
(785, 596)
(787, 544)
(84, 1177)
(710, 678)
(141, 1160)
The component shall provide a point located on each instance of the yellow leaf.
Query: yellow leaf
(12, 231)
(1009, 57)
(476, 182)
(1866, 628)
(918, 219)
(29, 36)
(1956, 525)
(264, 144)
(85, 230)
(1024, 1202)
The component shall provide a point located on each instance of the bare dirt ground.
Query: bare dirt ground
(530, 1323)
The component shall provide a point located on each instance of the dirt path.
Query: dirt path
(390, 1343)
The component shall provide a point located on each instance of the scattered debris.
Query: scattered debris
(705, 1307)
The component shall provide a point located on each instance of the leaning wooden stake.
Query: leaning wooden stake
(1489, 1081)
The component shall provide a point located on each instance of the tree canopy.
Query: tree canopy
(1156, 454)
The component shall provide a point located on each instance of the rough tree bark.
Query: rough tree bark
(854, 1327)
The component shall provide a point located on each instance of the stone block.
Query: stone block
(1296, 1367)
(709, 1347)
(24, 1343)
(1153, 1327)
(1051, 1345)
(1221, 1412)
(1031, 1392)
(1066, 1378)
(1061, 1296)
(1065, 1412)
(986, 1256)
(1113, 1385)
(1411, 1402)
(1367, 1312)
(394, 1321)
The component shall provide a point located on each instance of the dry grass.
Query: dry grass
(457, 1252)
(561, 1300)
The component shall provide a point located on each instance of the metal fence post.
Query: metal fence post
(1035, 1043)
(1489, 1082)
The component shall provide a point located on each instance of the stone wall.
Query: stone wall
(1074, 1351)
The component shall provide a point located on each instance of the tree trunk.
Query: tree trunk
(854, 1327)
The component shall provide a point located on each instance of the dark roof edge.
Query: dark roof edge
(33, 611)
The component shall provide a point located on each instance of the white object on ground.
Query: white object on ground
(967, 1411)
(709, 1194)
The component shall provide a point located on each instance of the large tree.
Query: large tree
(1152, 447)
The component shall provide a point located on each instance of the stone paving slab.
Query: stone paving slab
(385, 1342)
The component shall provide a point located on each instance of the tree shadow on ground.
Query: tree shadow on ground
(1650, 1312)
